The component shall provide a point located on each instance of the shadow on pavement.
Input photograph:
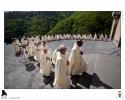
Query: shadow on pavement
(49, 79)
(83, 80)
(30, 67)
(97, 82)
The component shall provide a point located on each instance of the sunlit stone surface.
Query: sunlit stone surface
(103, 58)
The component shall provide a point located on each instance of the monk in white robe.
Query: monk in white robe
(77, 63)
(106, 38)
(22, 41)
(37, 52)
(95, 37)
(101, 37)
(44, 45)
(45, 63)
(16, 45)
(24, 44)
(54, 56)
(85, 37)
(90, 36)
(37, 40)
(61, 79)
(30, 48)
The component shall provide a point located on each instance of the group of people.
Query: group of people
(68, 67)
(63, 66)
(89, 36)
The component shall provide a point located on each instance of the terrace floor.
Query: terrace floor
(103, 58)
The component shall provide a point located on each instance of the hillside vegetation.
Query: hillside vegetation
(17, 24)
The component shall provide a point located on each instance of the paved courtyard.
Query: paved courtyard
(103, 58)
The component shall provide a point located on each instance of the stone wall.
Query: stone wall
(117, 36)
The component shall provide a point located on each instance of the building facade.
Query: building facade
(115, 34)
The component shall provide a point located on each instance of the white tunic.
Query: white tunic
(30, 49)
(54, 56)
(44, 47)
(95, 37)
(106, 38)
(85, 37)
(22, 41)
(16, 45)
(90, 37)
(101, 37)
(37, 53)
(61, 79)
(77, 63)
(45, 64)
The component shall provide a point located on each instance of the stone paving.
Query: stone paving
(103, 58)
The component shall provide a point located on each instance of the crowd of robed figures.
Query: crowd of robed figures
(64, 67)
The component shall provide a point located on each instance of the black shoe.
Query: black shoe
(38, 65)
(75, 79)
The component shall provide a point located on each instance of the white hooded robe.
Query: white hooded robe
(77, 63)
(45, 64)
(61, 79)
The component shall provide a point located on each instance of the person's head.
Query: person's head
(39, 43)
(44, 43)
(45, 50)
(62, 49)
(28, 43)
(79, 43)
(35, 44)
